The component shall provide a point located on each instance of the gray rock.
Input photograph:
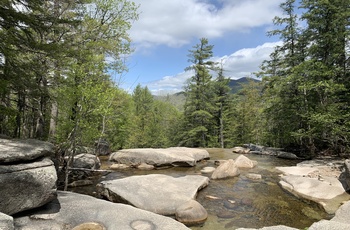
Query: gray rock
(326, 192)
(191, 213)
(102, 148)
(244, 162)
(345, 176)
(24, 150)
(207, 170)
(329, 225)
(343, 213)
(157, 193)
(177, 156)
(71, 210)
(87, 161)
(6, 222)
(278, 227)
(254, 176)
(225, 170)
(287, 155)
(27, 186)
(240, 150)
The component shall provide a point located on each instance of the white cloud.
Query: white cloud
(175, 22)
(241, 63)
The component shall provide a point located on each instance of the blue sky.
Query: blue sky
(167, 29)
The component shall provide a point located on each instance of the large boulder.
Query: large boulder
(27, 176)
(157, 193)
(26, 186)
(6, 222)
(315, 180)
(225, 170)
(72, 210)
(191, 213)
(244, 162)
(328, 192)
(176, 156)
(12, 150)
(86, 161)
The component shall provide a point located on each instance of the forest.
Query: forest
(60, 62)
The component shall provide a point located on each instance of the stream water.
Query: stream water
(238, 202)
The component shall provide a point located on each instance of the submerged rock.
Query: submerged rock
(176, 156)
(72, 210)
(157, 193)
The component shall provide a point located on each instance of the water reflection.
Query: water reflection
(239, 202)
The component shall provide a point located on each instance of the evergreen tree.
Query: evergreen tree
(199, 105)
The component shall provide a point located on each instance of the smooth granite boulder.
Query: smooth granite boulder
(244, 162)
(13, 150)
(191, 213)
(157, 193)
(176, 156)
(6, 222)
(72, 210)
(27, 185)
(87, 161)
(225, 170)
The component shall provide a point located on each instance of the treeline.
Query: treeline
(58, 59)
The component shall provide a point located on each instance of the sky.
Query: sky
(168, 29)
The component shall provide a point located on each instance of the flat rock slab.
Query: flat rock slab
(12, 150)
(71, 210)
(296, 170)
(325, 192)
(176, 156)
(157, 193)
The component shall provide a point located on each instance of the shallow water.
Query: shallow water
(239, 202)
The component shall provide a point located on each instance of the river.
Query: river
(238, 202)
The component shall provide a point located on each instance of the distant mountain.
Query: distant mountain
(236, 85)
(178, 99)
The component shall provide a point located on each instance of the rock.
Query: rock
(89, 226)
(254, 176)
(207, 170)
(80, 183)
(71, 209)
(102, 148)
(24, 150)
(145, 166)
(86, 161)
(240, 150)
(119, 166)
(296, 170)
(345, 176)
(177, 156)
(244, 162)
(287, 155)
(191, 213)
(278, 227)
(323, 191)
(343, 213)
(329, 225)
(225, 170)
(27, 185)
(6, 222)
(157, 193)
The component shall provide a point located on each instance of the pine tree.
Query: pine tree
(199, 105)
